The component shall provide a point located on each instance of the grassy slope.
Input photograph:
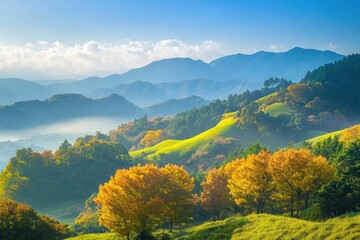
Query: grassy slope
(263, 99)
(276, 109)
(324, 136)
(275, 227)
(225, 128)
(96, 236)
(264, 227)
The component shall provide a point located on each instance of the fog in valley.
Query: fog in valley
(51, 136)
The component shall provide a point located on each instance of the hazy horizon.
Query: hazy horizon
(78, 39)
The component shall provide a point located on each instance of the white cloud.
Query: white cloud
(42, 59)
(277, 48)
(331, 46)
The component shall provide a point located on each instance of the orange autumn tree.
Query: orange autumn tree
(152, 137)
(215, 196)
(178, 197)
(136, 199)
(251, 182)
(297, 173)
(132, 201)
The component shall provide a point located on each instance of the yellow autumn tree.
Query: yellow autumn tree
(152, 137)
(178, 198)
(350, 134)
(250, 183)
(297, 173)
(132, 201)
(215, 196)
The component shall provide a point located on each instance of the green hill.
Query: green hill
(276, 109)
(202, 150)
(26, 114)
(263, 226)
(324, 136)
(57, 184)
(225, 133)
(328, 135)
(266, 226)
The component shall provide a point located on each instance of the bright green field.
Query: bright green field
(263, 99)
(324, 136)
(95, 236)
(277, 109)
(264, 227)
(225, 128)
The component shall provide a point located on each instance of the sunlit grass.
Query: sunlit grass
(277, 109)
(225, 128)
(97, 236)
(263, 99)
(262, 226)
(266, 226)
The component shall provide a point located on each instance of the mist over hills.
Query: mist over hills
(145, 94)
(64, 106)
(174, 106)
(180, 77)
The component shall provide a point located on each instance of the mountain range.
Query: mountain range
(27, 114)
(180, 77)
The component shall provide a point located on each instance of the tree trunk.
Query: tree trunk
(292, 206)
(171, 225)
(307, 199)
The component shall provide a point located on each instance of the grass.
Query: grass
(263, 99)
(324, 136)
(277, 109)
(227, 127)
(263, 227)
(96, 236)
(212, 230)
(266, 226)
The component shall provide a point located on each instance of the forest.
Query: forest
(210, 170)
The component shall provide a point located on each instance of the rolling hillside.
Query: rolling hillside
(263, 226)
(204, 149)
(334, 134)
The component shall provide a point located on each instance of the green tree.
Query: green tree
(20, 222)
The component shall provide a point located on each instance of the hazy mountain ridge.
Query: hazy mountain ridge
(180, 77)
(145, 94)
(291, 65)
(64, 106)
(26, 114)
(14, 90)
(174, 106)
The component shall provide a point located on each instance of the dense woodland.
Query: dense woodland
(138, 198)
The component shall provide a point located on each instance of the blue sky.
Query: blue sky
(229, 26)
